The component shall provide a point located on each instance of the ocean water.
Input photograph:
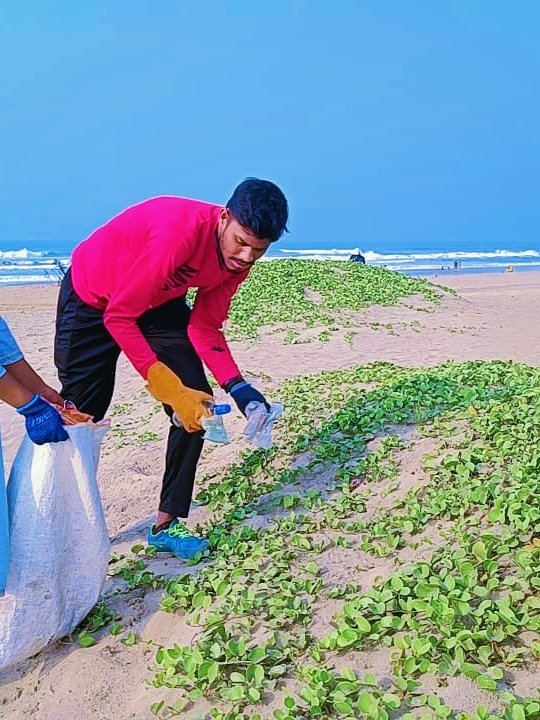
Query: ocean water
(19, 267)
(27, 267)
(421, 262)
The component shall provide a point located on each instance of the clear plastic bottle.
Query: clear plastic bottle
(214, 429)
(260, 423)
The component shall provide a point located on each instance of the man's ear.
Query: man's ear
(223, 219)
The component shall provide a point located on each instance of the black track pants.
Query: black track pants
(85, 355)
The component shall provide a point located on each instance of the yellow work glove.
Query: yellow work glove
(188, 404)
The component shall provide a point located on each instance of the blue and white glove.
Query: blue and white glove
(243, 393)
(43, 422)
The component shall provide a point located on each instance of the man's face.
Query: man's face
(239, 247)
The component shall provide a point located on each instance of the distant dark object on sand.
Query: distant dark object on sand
(357, 257)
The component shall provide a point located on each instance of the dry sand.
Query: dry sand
(491, 317)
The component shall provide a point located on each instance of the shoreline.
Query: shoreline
(426, 274)
(423, 274)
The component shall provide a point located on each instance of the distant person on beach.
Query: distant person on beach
(23, 389)
(126, 291)
(357, 257)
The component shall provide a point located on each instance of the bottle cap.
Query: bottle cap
(222, 409)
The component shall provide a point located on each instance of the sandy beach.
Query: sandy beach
(490, 317)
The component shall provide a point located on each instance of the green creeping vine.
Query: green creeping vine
(278, 292)
(469, 607)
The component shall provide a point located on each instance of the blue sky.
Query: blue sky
(388, 124)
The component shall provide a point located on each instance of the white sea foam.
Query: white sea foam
(23, 254)
(31, 266)
(375, 257)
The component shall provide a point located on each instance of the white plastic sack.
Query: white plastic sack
(59, 546)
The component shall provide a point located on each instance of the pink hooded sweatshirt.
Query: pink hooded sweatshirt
(149, 254)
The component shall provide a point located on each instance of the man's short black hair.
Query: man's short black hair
(260, 207)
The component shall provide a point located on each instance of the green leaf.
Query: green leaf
(259, 674)
(449, 583)
(362, 624)
(86, 640)
(343, 707)
(486, 683)
(366, 703)
(236, 693)
(130, 639)
(479, 551)
(496, 673)
(391, 700)
(396, 583)
(348, 674)
(198, 599)
(257, 654)
(215, 651)
(347, 637)
(370, 680)
(485, 654)
(209, 670)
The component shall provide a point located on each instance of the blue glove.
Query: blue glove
(243, 393)
(43, 422)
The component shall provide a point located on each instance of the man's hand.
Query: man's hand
(189, 405)
(243, 393)
(43, 422)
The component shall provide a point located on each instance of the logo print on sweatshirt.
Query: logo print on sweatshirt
(181, 276)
